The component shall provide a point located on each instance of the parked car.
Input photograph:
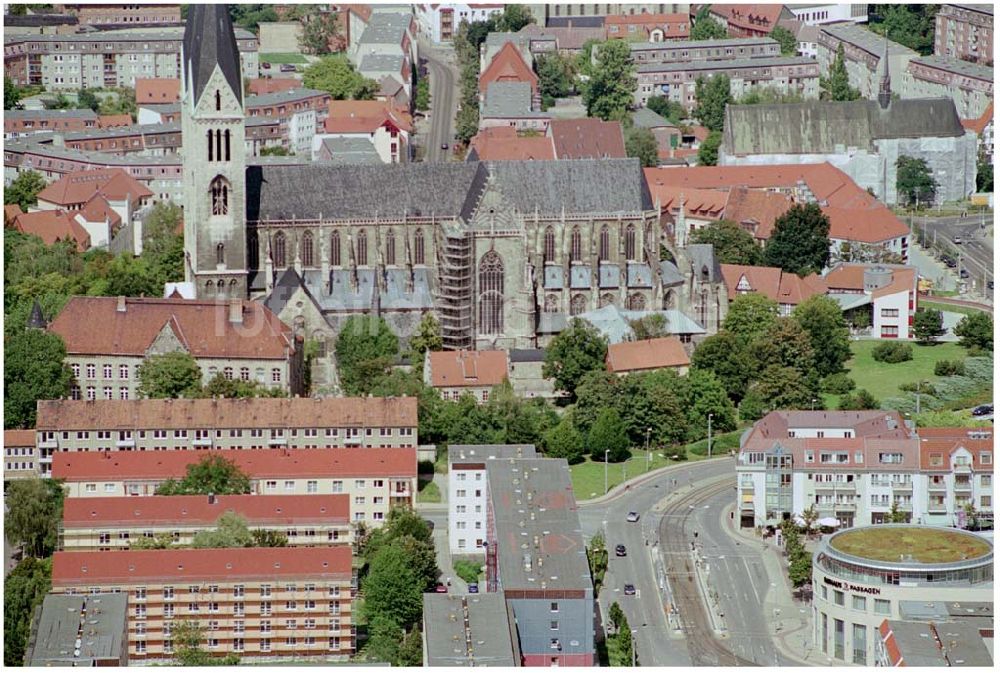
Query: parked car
(444, 146)
(957, 240)
(630, 590)
(989, 284)
(473, 588)
(632, 517)
(983, 410)
(964, 273)
(265, 65)
(949, 262)
(440, 589)
(620, 550)
(287, 67)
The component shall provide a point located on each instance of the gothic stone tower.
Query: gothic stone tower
(214, 156)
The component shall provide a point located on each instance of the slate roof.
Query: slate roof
(386, 28)
(509, 99)
(209, 40)
(644, 118)
(862, 38)
(702, 255)
(351, 151)
(956, 65)
(819, 127)
(381, 63)
(283, 96)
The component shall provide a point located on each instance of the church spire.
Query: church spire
(36, 320)
(210, 42)
(885, 86)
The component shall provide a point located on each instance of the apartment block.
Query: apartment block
(817, 15)
(20, 459)
(115, 523)
(260, 603)
(854, 466)
(965, 32)
(299, 113)
(704, 50)
(106, 58)
(537, 559)
(467, 501)
(18, 123)
(107, 14)
(375, 480)
(970, 85)
(864, 52)
(677, 81)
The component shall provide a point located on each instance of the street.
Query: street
(975, 253)
(444, 97)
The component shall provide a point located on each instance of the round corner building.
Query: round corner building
(861, 575)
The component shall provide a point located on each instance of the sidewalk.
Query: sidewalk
(621, 488)
(789, 620)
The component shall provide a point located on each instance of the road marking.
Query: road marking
(752, 583)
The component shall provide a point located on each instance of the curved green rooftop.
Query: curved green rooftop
(919, 544)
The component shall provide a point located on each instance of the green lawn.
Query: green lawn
(934, 306)
(427, 490)
(588, 476)
(882, 380)
(282, 58)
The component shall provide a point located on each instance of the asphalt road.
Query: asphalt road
(444, 97)
(976, 250)
(655, 643)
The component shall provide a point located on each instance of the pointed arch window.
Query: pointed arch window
(220, 196)
(630, 242)
(668, 300)
(551, 303)
(607, 299)
(221, 284)
(218, 145)
(209, 286)
(418, 247)
(491, 294)
(218, 100)
(577, 305)
(362, 248)
(278, 250)
(549, 251)
(575, 246)
(227, 144)
(307, 249)
(604, 247)
(390, 247)
(253, 251)
(220, 254)
(211, 154)
(335, 248)
(703, 309)
(636, 302)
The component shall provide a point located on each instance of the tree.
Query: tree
(220, 386)
(230, 531)
(707, 396)
(653, 326)
(514, 18)
(726, 355)
(335, 75)
(750, 316)
(384, 639)
(597, 559)
(158, 541)
(276, 151)
(707, 28)
(910, 25)
(249, 16)
(392, 588)
(85, 98)
(608, 434)
(169, 375)
(608, 93)
(33, 370)
(12, 93)
(555, 75)
(862, 399)
(789, 45)
(24, 590)
(129, 276)
(708, 150)
(800, 241)
(24, 189)
(975, 331)
(732, 243)
(670, 110)
(928, 325)
(810, 515)
(783, 388)
(121, 103)
(268, 538)
(823, 320)
(422, 99)
(895, 514)
(34, 514)
(915, 182)
(427, 338)
(212, 475)
(466, 122)
(564, 441)
(712, 95)
(319, 32)
(800, 570)
(641, 144)
(984, 175)
(187, 637)
(785, 344)
(837, 86)
(578, 349)
(768, 95)
(365, 349)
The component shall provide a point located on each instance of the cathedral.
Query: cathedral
(502, 253)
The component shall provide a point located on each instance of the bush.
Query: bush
(892, 352)
(425, 466)
(979, 368)
(838, 384)
(924, 387)
(949, 368)
(468, 570)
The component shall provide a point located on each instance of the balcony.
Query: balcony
(937, 507)
(202, 442)
(963, 486)
(51, 443)
(904, 506)
(126, 443)
(940, 486)
(277, 441)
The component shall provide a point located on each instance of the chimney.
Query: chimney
(236, 311)
(121, 304)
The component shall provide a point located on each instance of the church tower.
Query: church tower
(213, 156)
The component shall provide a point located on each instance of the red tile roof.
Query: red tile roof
(19, 438)
(587, 139)
(78, 187)
(754, 18)
(95, 325)
(756, 209)
(931, 450)
(631, 356)
(698, 203)
(364, 116)
(99, 210)
(52, 226)
(263, 85)
(851, 278)
(452, 369)
(11, 211)
(674, 26)
(977, 126)
(209, 413)
(114, 121)
(985, 431)
(85, 568)
(79, 466)
(196, 510)
(501, 143)
(508, 66)
(157, 91)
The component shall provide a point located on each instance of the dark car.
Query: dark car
(630, 590)
(473, 588)
(265, 65)
(983, 410)
(444, 146)
(964, 273)
(287, 67)
(989, 284)
(949, 262)
(620, 550)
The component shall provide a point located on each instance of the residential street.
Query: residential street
(444, 99)
(975, 253)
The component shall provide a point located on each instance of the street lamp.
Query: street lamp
(634, 631)
(814, 404)
(710, 435)
(648, 430)
(606, 452)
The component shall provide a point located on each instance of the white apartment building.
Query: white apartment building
(817, 15)
(467, 491)
(855, 466)
(440, 21)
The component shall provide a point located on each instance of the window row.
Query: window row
(354, 252)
